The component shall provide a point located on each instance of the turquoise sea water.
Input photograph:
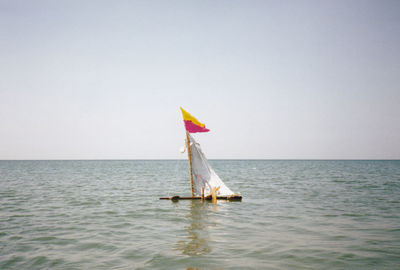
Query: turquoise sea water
(106, 215)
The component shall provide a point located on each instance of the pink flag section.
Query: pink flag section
(193, 128)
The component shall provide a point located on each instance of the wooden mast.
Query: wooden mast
(190, 162)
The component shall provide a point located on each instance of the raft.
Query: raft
(234, 197)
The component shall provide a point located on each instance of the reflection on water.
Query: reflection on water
(198, 239)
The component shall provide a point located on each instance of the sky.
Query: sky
(270, 79)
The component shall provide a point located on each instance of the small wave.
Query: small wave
(44, 238)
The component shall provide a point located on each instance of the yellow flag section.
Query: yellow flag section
(188, 117)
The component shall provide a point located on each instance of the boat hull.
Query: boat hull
(234, 197)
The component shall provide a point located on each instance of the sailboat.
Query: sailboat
(205, 184)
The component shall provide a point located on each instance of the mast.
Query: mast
(190, 162)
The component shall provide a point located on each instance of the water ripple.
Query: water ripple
(106, 215)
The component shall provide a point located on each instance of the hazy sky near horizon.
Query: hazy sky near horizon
(270, 79)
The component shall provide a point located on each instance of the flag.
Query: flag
(192, 125)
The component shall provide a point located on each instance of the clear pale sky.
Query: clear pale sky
(270, 79)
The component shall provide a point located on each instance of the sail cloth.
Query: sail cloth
(192, 125)
(203, 174)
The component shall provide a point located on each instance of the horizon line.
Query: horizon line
(233, 159)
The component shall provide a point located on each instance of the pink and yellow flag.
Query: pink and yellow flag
(192, 125)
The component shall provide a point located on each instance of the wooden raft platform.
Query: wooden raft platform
(235, 197)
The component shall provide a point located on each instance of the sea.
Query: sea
(295, 214)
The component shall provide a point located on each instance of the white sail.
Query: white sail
(203, 174)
